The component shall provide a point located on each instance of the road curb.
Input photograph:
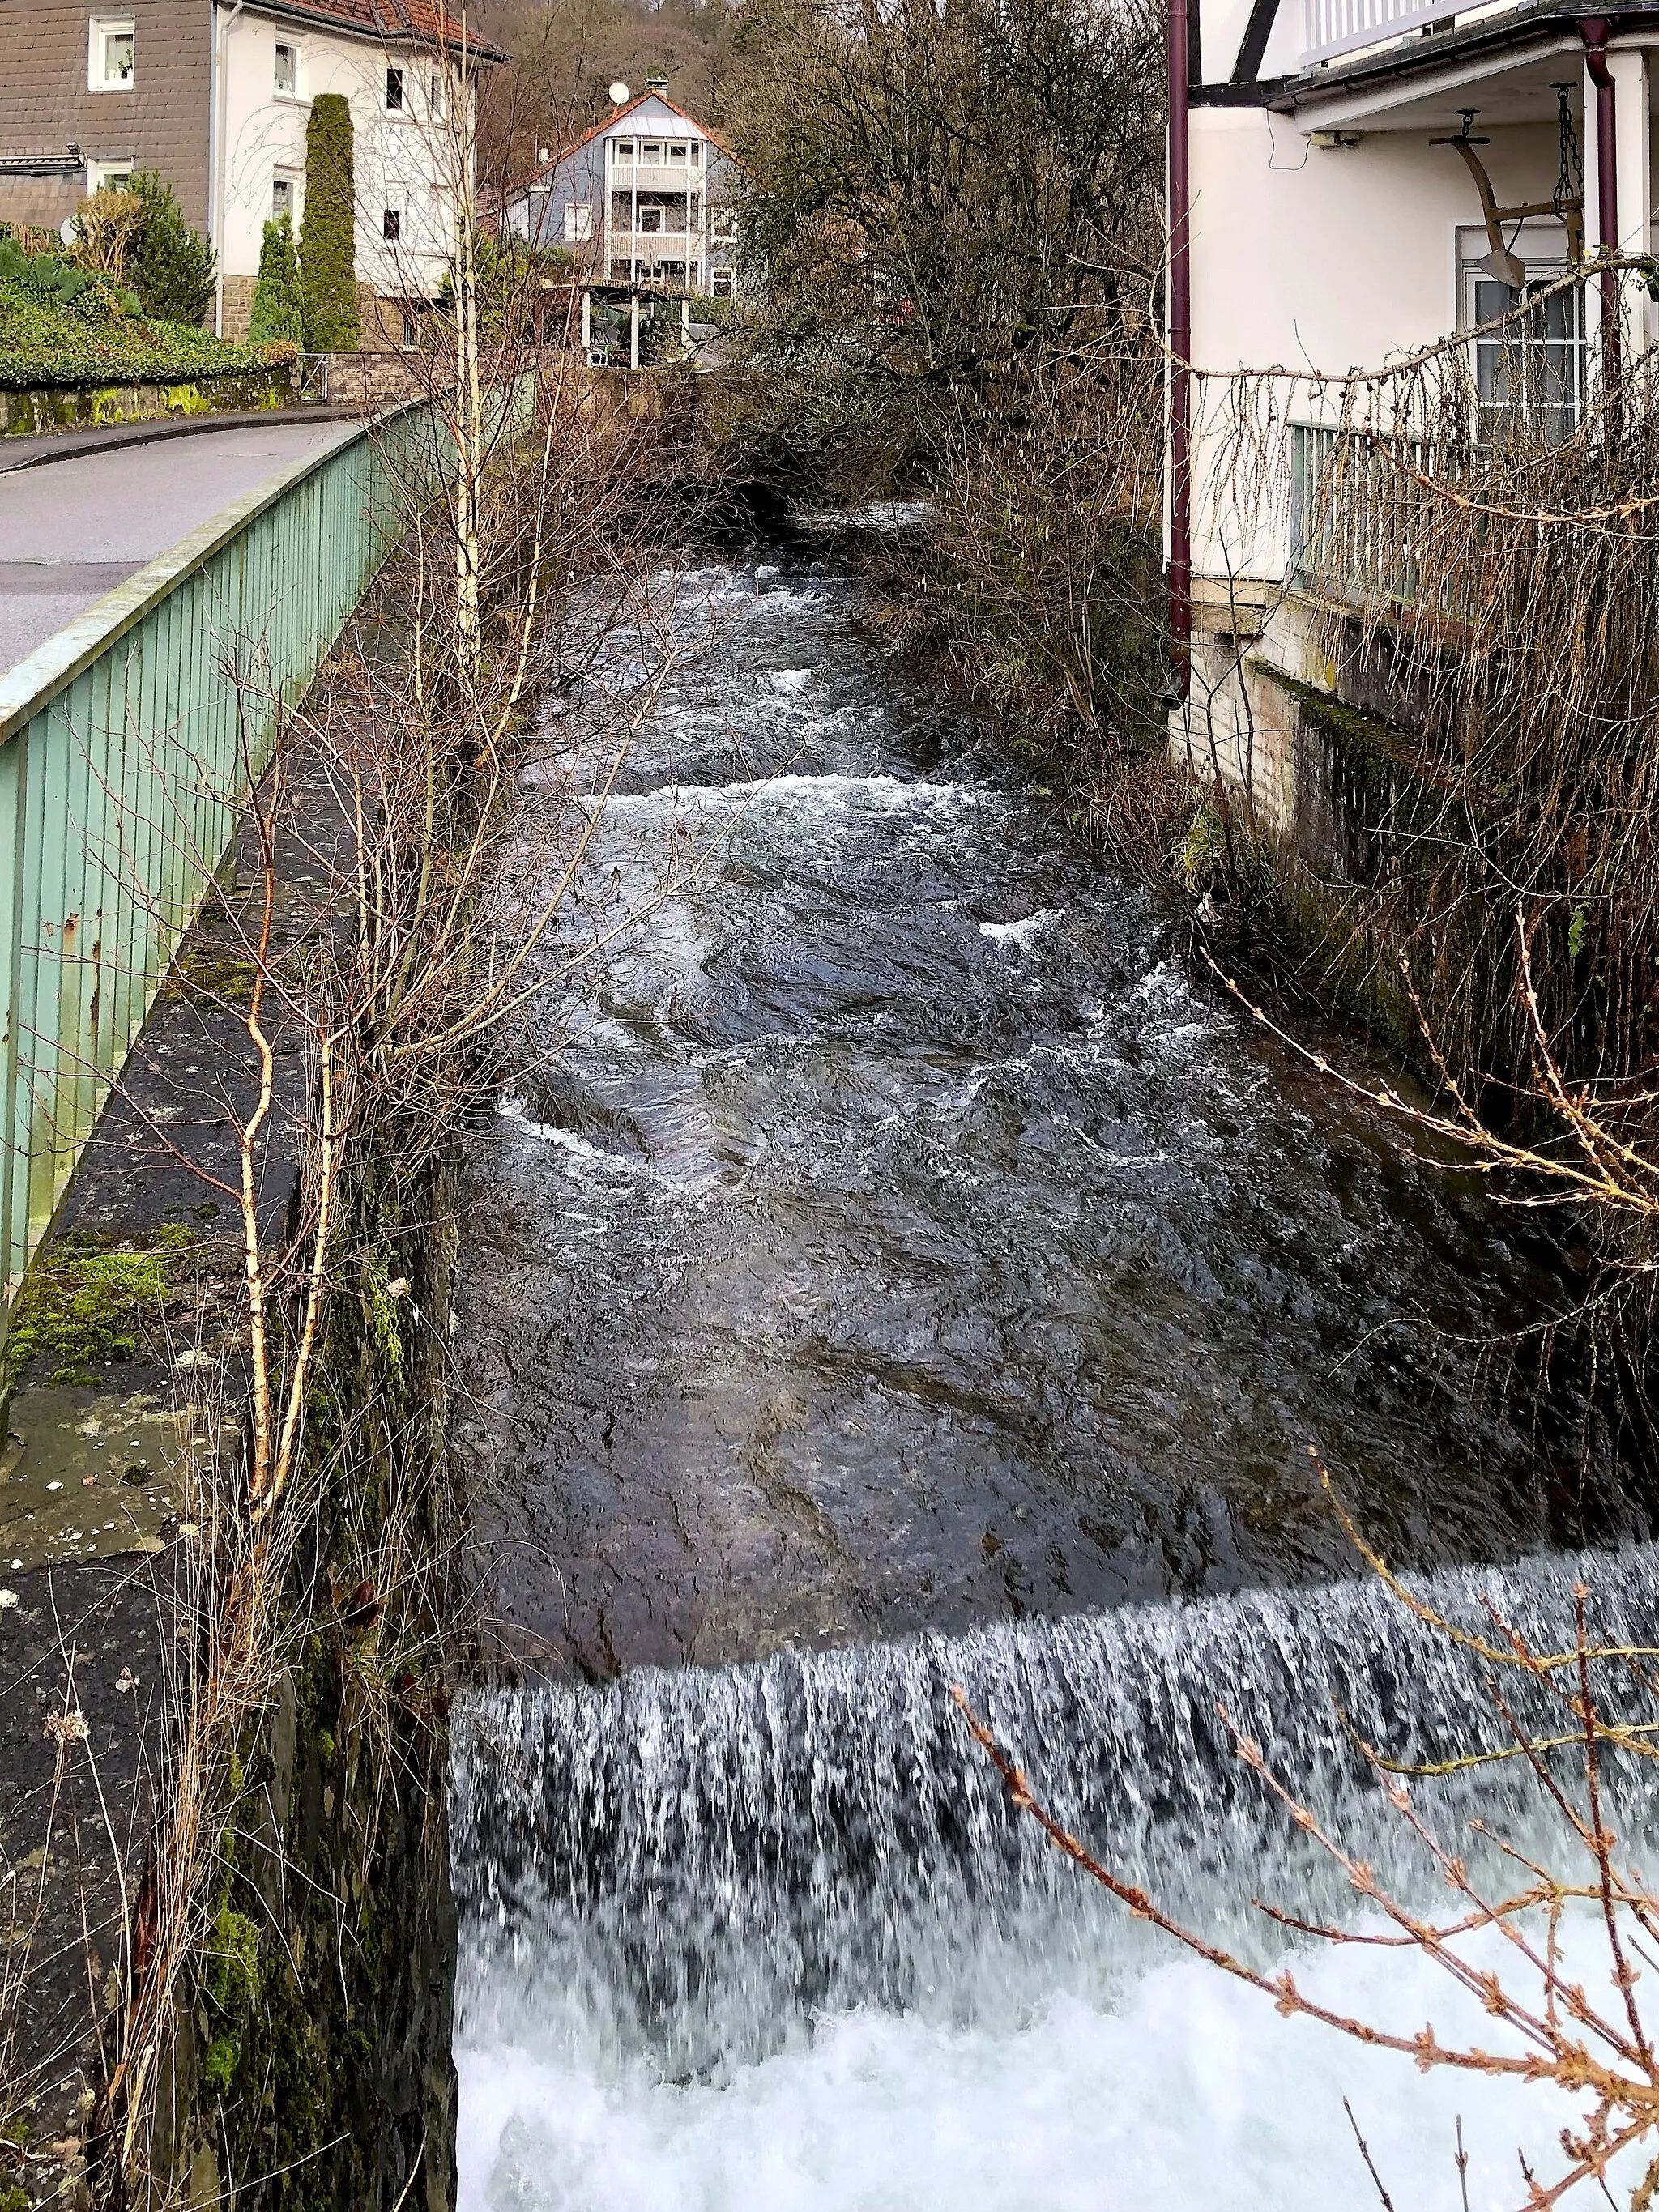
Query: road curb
(32, 453)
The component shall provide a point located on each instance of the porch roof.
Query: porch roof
(1502, 61)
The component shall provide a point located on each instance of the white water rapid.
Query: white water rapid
(770, 1938)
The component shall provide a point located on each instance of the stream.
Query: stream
(891, 1264)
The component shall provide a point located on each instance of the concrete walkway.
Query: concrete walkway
(72, 530)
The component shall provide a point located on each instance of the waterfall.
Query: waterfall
(691, 1872)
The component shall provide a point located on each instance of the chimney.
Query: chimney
(657, 83)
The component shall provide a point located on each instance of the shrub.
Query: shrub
(278, 311)
(169, 266)
(107, 225)
(62, 327)
(328, 265)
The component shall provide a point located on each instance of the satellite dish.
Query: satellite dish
(620, 95)
(70, 229)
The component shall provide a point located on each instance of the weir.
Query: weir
(891, 1270)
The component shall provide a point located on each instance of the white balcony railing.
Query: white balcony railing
(1342, 27)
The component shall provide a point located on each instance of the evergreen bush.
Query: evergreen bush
(169, 266)
(328, 267)
(278, 310)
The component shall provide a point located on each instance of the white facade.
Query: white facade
(1330, 232)
(411, 112)
(639, 200)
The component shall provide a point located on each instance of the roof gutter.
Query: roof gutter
(1533, 26)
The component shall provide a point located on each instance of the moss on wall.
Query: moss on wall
(319, 2035)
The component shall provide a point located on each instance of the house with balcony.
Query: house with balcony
(1352, 181)
(216, 98)
(641, 201)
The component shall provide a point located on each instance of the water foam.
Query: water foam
(1021, 933)
(772, 1934)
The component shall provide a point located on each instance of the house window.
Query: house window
(650, 218)
(286, 77)
(696, 154)
(112, 54)
(435, 105)
(677, 153)
(394, 92)
(412, 336)
(577, 222)
(721, 282)
(724, 228)
(392, 223)
(282, 197)
(649, 153)
(109, 176)
(1534, 367)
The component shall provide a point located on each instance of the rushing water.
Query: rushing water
(890, 1238)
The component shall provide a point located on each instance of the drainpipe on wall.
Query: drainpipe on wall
(1594, 30)
(218, 125)
(1180, 318)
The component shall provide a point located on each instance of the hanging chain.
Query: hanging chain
(1569, 185)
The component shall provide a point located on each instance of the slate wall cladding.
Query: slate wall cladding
(45, 103)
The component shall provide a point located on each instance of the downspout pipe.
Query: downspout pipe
(1594, 30)
(1180, 320)
(219, 124)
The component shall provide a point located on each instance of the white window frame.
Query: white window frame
(648, 149)
(104, 176)
(397, 69)
(1541, 245)
(695, 156)
(722, 283)
(291, 179)
(434, 96)
(291, 48)
(621, 153)
(100, 30)
(389, 209)
(577, 222)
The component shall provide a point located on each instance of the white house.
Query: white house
(639, 200)
(1324, 215)
(410, 74)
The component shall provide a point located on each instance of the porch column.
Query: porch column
(1628, 67)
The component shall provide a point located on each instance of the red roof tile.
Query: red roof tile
(605, 124)
(399, 22)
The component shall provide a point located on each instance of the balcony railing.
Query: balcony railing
(1343, 27)
(1358, 518)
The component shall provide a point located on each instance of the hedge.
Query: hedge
(92, 339)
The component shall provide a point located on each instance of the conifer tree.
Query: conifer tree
(169, 266)
(278, 310)
(328, 264)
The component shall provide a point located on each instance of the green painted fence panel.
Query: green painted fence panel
(122, 779)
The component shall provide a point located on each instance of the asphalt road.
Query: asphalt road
(72, 530)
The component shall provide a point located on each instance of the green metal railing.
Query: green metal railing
(126, 747)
